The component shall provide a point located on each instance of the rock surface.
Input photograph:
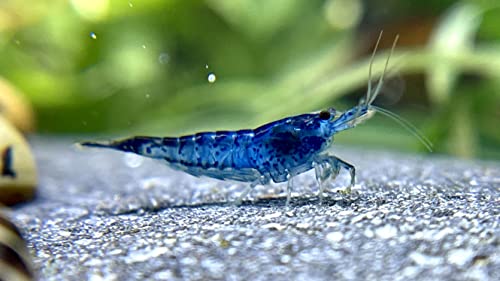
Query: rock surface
(105, 215)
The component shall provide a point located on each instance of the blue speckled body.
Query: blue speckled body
(276, 151)
(273, 151)
(289, 146)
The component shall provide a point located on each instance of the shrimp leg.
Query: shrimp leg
(325, 167)
(328, 166)
(289, 189)
(263, 180)
(352, 171)
(245, 192)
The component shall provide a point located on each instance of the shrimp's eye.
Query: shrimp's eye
(324, 115)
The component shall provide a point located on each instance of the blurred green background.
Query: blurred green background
(172, 67)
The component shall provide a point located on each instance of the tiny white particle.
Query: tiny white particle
(425, 260)
(285, 259)
(115, 252)
(65, 233)
(271, 216)
(303, 225)
(386, 232)
(335, 237)
(460, 257)
(83, 242)
(275, 226)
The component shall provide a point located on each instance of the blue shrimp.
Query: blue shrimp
(276, 151)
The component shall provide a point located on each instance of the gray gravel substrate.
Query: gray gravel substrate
(103, 215)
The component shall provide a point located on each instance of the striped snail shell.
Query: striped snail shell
(15, 262)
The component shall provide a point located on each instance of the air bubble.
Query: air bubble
(163, 58)
(211, 77)
(93, 35)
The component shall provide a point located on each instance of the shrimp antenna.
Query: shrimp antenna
(407, 125)
(369, 90)
(380, 82)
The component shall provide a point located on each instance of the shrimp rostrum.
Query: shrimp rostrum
(276, 151)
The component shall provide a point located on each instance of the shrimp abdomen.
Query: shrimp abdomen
(152, 147)
(221, 155)
(216, 150)
(220, 149)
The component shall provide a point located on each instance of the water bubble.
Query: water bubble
(93, 35)
(164, 58)
(143, 46)
(147, 96)
(211, 77)
(130, 4)
(132, 160)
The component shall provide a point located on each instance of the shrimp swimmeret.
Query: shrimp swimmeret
(276, 151)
